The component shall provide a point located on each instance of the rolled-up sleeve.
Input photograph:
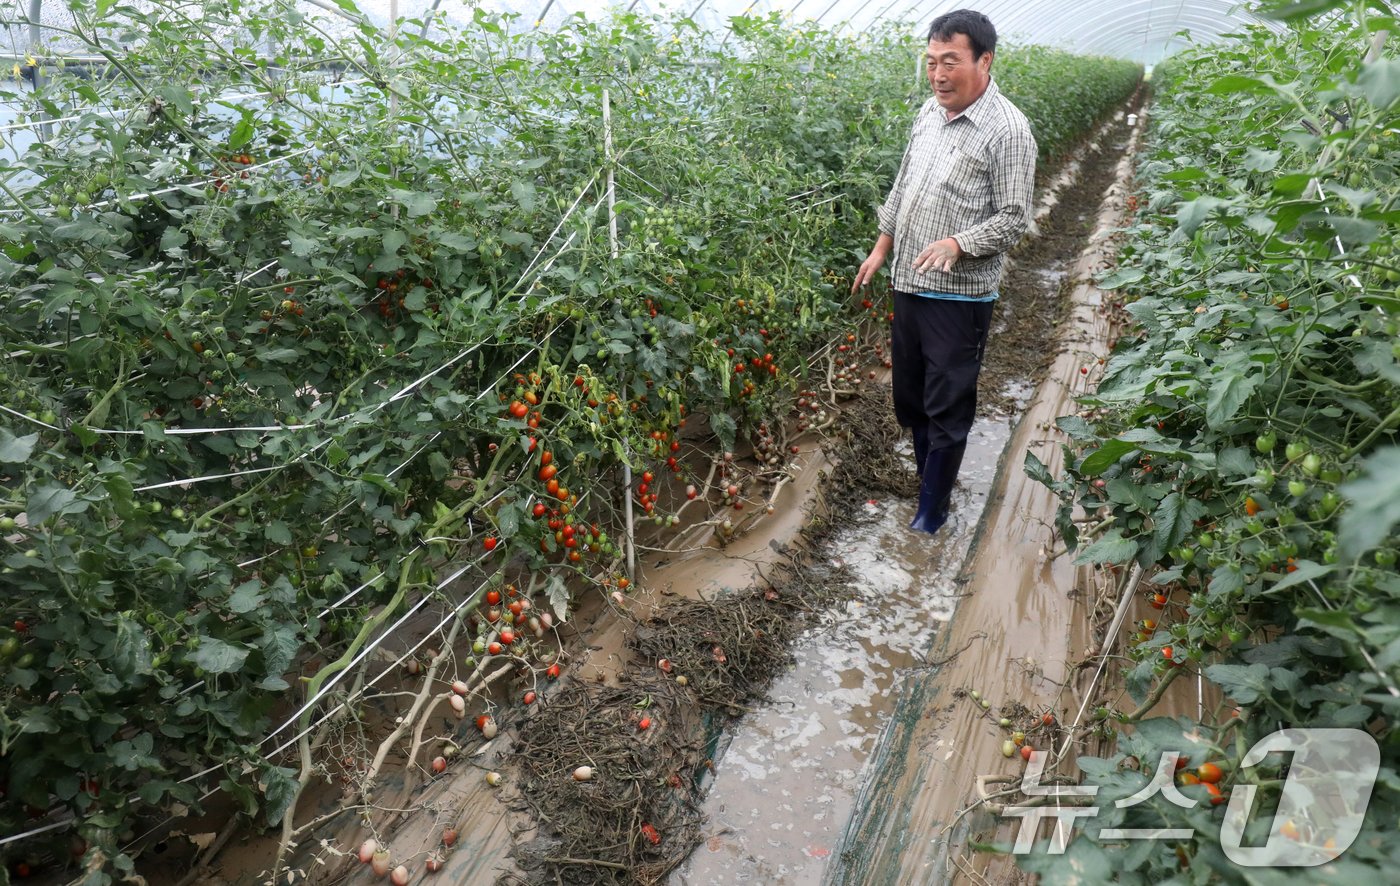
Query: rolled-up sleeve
(1013, 185)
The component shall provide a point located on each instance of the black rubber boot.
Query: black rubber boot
(940, 474)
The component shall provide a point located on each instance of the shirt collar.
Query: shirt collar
(976, 111)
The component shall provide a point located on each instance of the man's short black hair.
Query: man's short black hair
(978, 28)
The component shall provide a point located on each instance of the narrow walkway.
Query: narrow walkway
(1013, 641)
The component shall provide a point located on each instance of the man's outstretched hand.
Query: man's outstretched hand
(939, 256)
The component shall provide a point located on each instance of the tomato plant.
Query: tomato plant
(1258, 274)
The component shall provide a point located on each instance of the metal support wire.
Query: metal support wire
(180, 187)
(93, 111)
(827, 11)
(847, 22)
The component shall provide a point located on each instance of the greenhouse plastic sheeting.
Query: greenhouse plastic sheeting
(1140, 30)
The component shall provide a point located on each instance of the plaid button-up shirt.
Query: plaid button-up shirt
(970, 178)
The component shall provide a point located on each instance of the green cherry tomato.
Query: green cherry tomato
(1385, 558)
(1312, 464)
(1297, 488)
(1296, 450)
(1265, 442)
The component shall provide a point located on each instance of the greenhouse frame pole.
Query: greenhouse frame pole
(729, 32)
(847, 21)
(332, 8)
(888, 6)
(539, 20)
(628, 516)
(428, 19)
(36, 10)
(827, 11)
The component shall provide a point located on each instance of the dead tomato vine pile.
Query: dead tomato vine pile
(634, 814)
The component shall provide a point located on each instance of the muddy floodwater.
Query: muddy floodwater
(786, 775)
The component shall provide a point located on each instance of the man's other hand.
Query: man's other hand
(873, 263)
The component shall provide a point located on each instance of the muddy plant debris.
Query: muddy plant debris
(691, 668)
(637, 816)
(728, 650)
(870, 463)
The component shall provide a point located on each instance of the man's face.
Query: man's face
(957, 80)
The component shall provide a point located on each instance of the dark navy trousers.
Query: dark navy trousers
(936, 355)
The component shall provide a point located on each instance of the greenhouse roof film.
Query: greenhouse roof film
(1144, 31)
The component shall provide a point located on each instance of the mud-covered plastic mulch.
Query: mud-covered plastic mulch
(692, 667)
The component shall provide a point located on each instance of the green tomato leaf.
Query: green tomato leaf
(15, 450)
(1036, 470)
(1228, 392)
(1374, 503)
(1105, 457)
(1244, 683)
(50, 500)
(1111, 548)
(1380, 82)
(218, 657)
(280, 787)
(131, 649)
(246, 597)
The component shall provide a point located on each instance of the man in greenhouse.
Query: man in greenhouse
(961, 200)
